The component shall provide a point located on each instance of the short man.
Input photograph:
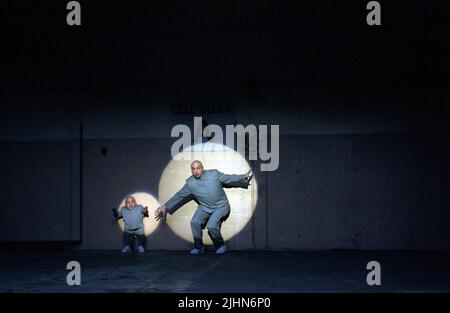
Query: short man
(133, 215)
(206, 188)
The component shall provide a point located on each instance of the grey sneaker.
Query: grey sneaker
(198, 251)
(140, 249)
(222, 249)
(126, 249)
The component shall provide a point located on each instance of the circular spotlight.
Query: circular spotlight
(213, 156)
(146, 200)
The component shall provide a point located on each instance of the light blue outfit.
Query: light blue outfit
(133, 219)
(213, 206)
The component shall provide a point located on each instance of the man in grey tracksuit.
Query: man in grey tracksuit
(206, 188)
(133, 215)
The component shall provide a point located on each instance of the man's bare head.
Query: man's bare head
(197, 168)
(130, 202)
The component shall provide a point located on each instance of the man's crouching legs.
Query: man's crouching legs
(197, 224)
(214, 224)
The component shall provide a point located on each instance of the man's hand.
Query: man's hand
(249, 175)
(160, 212)
(145, 211)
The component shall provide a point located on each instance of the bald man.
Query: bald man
(133, 215)
(206, 188)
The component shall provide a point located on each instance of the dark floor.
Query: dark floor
(325, 271)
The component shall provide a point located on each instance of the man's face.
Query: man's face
(130, 203)
(197, 169)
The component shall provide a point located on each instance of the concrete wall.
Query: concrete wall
(350, 177)
(36, 191)
(363, 114)
(371, 191)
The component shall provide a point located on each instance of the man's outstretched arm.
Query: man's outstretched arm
(233, 180)
(144, 211)
(117, 214)
(182, 197)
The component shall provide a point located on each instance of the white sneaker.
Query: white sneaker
(126, 249)
(198, 251)
(140, 249)
(222, 249)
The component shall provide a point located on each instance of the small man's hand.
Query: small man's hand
(160, 212)
(145, 211)
(249, 175)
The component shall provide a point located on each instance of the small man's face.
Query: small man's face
(130, 203)
(197, 169)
